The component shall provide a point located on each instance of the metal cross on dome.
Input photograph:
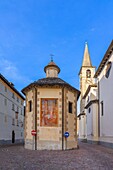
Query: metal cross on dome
(51, 57)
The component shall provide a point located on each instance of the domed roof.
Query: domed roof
(51, 64)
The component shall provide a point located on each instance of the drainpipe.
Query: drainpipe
(63, 118)
(98, 109)
(36, 118)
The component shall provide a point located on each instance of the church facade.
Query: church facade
(95, 118)
(51, 110)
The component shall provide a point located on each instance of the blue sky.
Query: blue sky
(30, 30)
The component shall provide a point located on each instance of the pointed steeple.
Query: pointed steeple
(86, 58)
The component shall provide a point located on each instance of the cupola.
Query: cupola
(52, 70)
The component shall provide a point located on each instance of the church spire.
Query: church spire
(86, 58)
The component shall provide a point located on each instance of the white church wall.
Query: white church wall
(106, 96)
(95, 119)
(92, 114)
(82, 127)
(89, 122)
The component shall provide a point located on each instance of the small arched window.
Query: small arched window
(88, 73)
(108, 68)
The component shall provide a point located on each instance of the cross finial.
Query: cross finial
(86, 42)
(51, 57)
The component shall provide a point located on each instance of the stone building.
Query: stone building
(51, 110)
(11, 113)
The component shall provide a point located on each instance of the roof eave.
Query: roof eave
(52, 85)
(13, 88)
(91, 102)
(104, 60)
(88, 89)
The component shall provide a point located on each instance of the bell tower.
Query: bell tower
(86, 76)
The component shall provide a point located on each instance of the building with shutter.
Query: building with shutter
(11, 113)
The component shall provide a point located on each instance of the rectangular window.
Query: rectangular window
(70, 107)
(17, 122)
(21, 102)
(17, 99)
(102, 108)
(13, 95)
(5, 102)
(30, 106)
(21, 111)
(21, 124)
(49, 112)
(21, 134)
(13, 106)
(5, 89)
(89, 110)
(108, 69)
(13, 121)
(17, 109)
(16, 115)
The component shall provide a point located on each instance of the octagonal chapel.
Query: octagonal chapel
(51, 110)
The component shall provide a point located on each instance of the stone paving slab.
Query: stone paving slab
(87, 157)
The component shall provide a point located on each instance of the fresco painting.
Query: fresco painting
(49, 112)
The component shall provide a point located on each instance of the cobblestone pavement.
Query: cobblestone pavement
(87, 157)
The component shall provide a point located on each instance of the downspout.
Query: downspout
(36, 118)
(63, 118)
(98, 109)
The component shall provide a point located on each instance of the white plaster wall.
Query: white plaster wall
(92, 117)
(77, 126)
(89, 123)
(6, 114)
(82, 126)
(92, 120)
(104, 68)
(106, 95)
(95, 119)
